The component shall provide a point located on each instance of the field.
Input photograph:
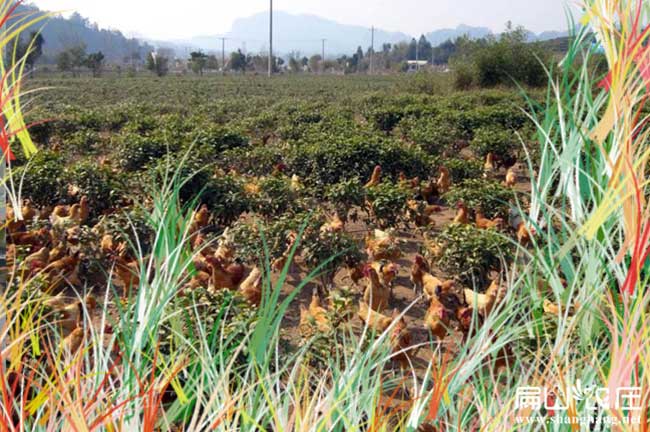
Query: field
(299, 253)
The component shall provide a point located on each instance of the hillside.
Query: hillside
(61, 33)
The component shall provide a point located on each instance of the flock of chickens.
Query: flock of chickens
(50, 239)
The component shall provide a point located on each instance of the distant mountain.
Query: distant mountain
(296, 33)
(439, 36)
(61, 33)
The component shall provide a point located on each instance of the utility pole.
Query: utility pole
(322, 58)
(417, 56)
(372, 49)
(223, 56)
(271, 38)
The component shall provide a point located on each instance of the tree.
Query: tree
(71, 59)
(31, 50)
(158, 64)
(238, 61)
(198, 61)
(64, 61)
(95, 62)
(315, 63)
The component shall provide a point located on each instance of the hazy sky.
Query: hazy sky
(167, 19)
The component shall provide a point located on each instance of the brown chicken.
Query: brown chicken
(314, 318)
(333, 225)
(401, 341)
(375, 179)
(462, 217)
(381, 245)
(444, 181)
(374, 320)
(13, 224)
(437, 318)
(418, 269)
(489, 167)
(355, 273)
(71, 343)
(375, 295)
(32, 238)
(84, 209)
(226, 276)
(511, 178)
(485, 223)
(251, 287)
(524, 235)
(430, 192)
(127, 274)
(483, 303)
(387, 272)
(201, 219)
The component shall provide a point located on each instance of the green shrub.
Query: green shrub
(43, 178)
(134, 152)
(253, 160)
(470, 253)
(218, 138)
(464, 76)
(433, 135)
(345, 195)
(496, 140)
(487, 195)
(330, 159)
(462, 169)
(226, 198)
(103, 187)
(387, 204)
(276, 197)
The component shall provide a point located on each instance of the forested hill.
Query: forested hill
(61, 33)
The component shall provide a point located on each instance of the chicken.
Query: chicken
(437, 319)
(280, 263)
(462, 217)
(422, 279)
(374, 320)
(58, 252)
(37, 260)
(524, 235)
(489, 167)
(224, 275)
(465, 316)
(127, 274)
(400, 340)
(314, 318)
(296, 185)
(430, 192)
(334, 225)
(483, 303)
(418, 269)
(32, 238)
(556, 309)
(73, 218)
(511, 178)
(375, 295)
(13, 224)
(355, 273)
(375, 179)
(201, 279)
(71, 343)
(382, 245)
(251, 287)
(110, 248)
(387, 272)
(421, 212)
(444, 181)
(485, 223)
(84, 209)
(201, 219)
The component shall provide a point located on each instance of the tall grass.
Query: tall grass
(154, 365)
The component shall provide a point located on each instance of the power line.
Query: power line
(372, 49)
(271, 38)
